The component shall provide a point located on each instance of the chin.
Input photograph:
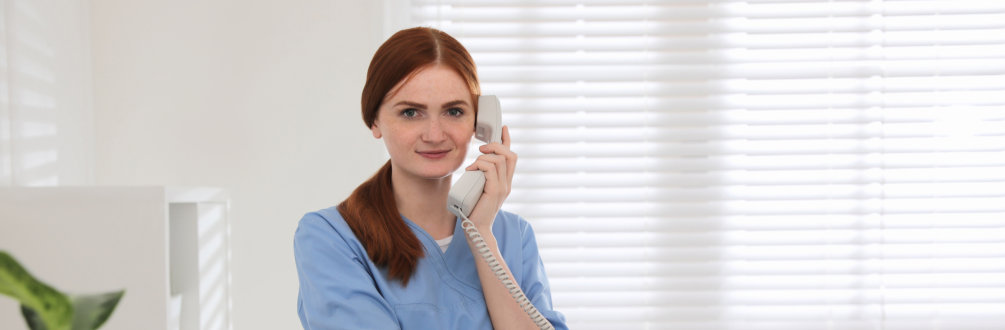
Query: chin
(433, 176)
(434, 172)
(442, 169)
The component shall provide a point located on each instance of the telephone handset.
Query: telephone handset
(464, 194)
(488, 128)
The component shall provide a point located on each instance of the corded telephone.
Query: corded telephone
(464, 195)
(488, 128)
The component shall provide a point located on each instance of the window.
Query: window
(754, 165)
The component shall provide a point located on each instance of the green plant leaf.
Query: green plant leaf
(50, 306)
(33, 319)
(91, 311)
(8, 267)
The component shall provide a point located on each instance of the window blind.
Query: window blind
(754, 165)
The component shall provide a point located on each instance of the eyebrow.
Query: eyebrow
(454, 103)
(423, 106)
(412, 104)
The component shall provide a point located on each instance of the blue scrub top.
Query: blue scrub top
(341, 288)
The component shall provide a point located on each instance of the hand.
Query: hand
(497, 163)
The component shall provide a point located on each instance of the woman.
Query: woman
(391, 256)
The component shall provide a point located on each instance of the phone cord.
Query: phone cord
(514, 289)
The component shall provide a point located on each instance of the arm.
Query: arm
(336, 289)
(504, 311)
(498, 164)
(533, 279)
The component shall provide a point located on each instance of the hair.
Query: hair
(371, 210)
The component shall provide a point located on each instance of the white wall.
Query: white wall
(45, 93)
(260, 97)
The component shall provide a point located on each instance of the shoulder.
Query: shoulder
(512, 225)
(327, 228)
(512, 219)
(329, 220)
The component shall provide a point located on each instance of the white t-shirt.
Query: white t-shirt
(445, 242)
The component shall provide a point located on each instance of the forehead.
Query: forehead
(432, 83)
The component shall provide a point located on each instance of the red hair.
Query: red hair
(371, 210)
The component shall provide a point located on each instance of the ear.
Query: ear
(375, 129)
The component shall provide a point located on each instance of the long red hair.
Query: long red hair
(371, 210)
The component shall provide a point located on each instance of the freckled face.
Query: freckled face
(427, 122)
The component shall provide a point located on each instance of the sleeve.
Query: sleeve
(337, 290)
(535, 281)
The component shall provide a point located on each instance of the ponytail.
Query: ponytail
(372, 214)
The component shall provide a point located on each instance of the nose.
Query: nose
(434, 132)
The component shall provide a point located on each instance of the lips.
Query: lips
(434, 154)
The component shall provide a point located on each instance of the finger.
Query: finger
(489, 169)
(493, 148)
(510, 165)
(486, 163)
(501, 165)
(505, 136)
(499, 149)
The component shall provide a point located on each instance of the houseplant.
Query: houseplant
(45, 308)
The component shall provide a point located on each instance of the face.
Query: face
(426, 122)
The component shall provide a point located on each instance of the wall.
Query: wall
(259, 97)
(45, 93)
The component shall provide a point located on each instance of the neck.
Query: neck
(424, 201)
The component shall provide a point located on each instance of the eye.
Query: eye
(455, 112)
(410, 113)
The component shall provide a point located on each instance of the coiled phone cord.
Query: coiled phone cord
(514, 289)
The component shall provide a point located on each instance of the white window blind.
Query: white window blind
(754, 165)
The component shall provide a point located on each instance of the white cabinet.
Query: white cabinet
(169, 248)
